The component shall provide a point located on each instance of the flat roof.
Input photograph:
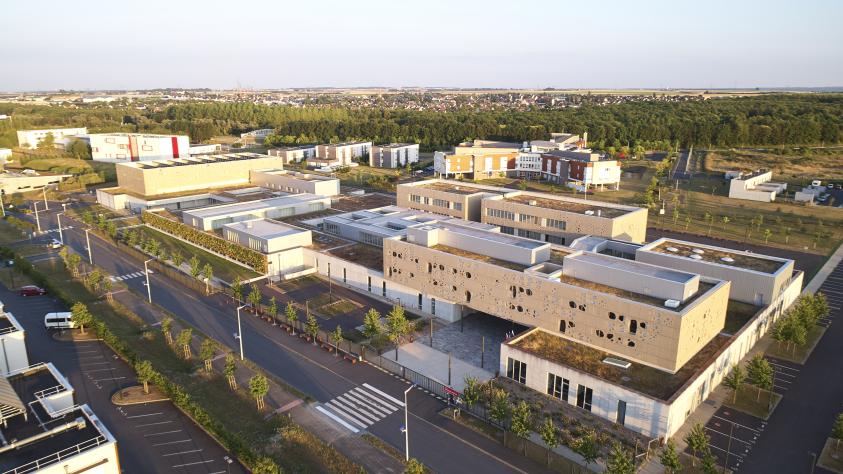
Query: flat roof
(295, 174)
(264, 228)
(578, 206)
(247, 206)
(641, 378)
(195, 160)
(498, 237)
(9, 324)
(367, 255)
(396, 145)
(480, 257)
(294, 148)
(711, 254)
(458, 188)
(632, 266)
(490, 144)
(127, 134)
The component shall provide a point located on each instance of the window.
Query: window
(528, 219)
(572, 304)
(633, 326)
(441, 203)
(458, 206)
(315, 206)
(370, 284)
(612, 315)
(555, 223)
(415, 198)
(433, 306)
(500, 214)
(554, 239)
(383, 291)
(467, 296)
(584, 397)
(420, 301)
(344, 276)
(507, 230)
(371, 239)
(516, 370)
(557, 386)
(332, 228)
(621, 418)
(529, 234)
(562, 325)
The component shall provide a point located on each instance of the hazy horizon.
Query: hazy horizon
(458, 44)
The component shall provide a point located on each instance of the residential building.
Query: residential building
(484, 163)
(130, 147)
(394, 155)
(13, 342)
(540, 216)
(45, 431)
(61, 136)
(336, 155)
(11, 183)
(585, 169)
(295, 182)
(756, 186)
(281, 243)
(293, 154)
(215, 217)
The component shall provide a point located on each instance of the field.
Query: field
(63, 165)
(794, 166)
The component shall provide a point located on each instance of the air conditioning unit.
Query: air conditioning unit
(672, 303)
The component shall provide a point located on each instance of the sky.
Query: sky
(94, 44)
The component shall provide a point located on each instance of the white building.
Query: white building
(5, 154)
(757, 186)
(280, 242)
(61, 136)
(204, 149)
(257, 135)
(13, 342)
(215, 217)
(293, 154)
(335, 155)
(46, 431)
(294, 182)
(394, 155)
(21, 183)
(127, 147)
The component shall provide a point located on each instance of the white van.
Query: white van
(58, 321)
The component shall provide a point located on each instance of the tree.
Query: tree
(80, 316)
(522, 423)
(471, 391)
(709, 463)
(259, 387)
(311, 327)
(145, 373)
(760, 374)
(675, 215)
(208, 272)
(619, 461)
(397, 326)
(372, 323)
(229, 370)
(787, 231)
(237, 289)
(414, 467)
(710, 220)
(734, 380)
(195, 266)
(697, 440)
(255, 297)
(336, 338)
(767, 234)
(73, 261)
(550, 435)
(49, 141)
(837, 430)
(206, 352)
(183, 341)
(587, 448)
(94, 279)
(177, 258)
(106, 287)
(669, 458)
(725, 220)
(292, 316)
(166, 324)
(79, 150)
(265, 465)
(499, 406)
(273, 310)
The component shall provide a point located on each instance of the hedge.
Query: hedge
(231, 441)
(246, 256)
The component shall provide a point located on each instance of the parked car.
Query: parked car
(830, 186)
(32, 290)
(54, 244)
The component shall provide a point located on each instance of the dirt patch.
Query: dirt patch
(135, 395)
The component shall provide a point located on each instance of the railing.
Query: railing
(58, 456)
(49, 391)
(8, 330)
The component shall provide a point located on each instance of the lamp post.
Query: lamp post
(88, 243)
(2, 206)
(46, 206)
(58, 219)
(406, 428)
(239, 335)
(37, 219)
(146, 272)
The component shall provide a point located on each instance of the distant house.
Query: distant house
(756, 186)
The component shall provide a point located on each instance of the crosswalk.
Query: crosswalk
(360, 407)
(128, 276)
(56, 231)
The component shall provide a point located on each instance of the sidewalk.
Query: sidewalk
(434, 364)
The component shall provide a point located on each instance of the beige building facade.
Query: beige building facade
(289, 181)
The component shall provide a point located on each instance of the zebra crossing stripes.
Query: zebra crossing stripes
(56, 231)
(360, 407)
(127, 276)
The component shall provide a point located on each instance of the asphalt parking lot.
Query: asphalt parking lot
(733, 435)
(152, 437)
(784, 374)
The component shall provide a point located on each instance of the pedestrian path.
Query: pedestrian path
(128, 276)
(360, 407)
(56, 231)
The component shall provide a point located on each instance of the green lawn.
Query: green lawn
(757, 404)
(797, 354)
(223, 268)
(336, 308)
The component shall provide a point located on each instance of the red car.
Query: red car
(32, 290)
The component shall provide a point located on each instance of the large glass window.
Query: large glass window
(500, 214)
(584, 397)
(557, 386)
(555, 223)
(516, 370)
(621, 419)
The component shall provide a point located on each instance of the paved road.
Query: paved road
(812, 399)
(441, 444)
(153, 437)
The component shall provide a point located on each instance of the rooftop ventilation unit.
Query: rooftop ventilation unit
(728, 259)
(620, 363)
(672, 303)
(695, 256)
(532, 202)
(698, 251)
(589, 212)
(672, 249)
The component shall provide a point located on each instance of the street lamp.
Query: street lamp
(146, 271)
(58, 219)
(88, 243)
(239, 335)
(228, 462)
(37, 219)
(46, 206)
(406, 428)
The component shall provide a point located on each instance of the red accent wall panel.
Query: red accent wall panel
(175, 146)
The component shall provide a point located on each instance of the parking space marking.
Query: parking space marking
(153, 424)
(182, 452)
(105, 380)
(173, 442)
(192, 463)
(145, 414)
(96, 370)
(736, 423)
(162, 433)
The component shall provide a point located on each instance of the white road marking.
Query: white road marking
(162, 433)
(337, 419)
(182, 452)
(385, 395)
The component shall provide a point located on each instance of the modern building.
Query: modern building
(13, 342)
(540, 216)
(394, 155)
(256, 136)
(5, 154)
(11, 183)
(61, 136)
(215, 217)
(45, 431)
(293, 154)
(130, 147)
(281, 243)
(336, 155)
(756, 186)
(295, 182)
(204, 149)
